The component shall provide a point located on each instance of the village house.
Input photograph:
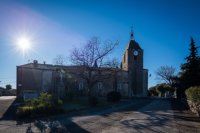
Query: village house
(131, 79)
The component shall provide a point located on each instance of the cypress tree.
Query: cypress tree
(190, 71)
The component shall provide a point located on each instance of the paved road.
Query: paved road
(141, 115)
(156, 117)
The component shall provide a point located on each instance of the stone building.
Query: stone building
(132, 62)
(131, 79)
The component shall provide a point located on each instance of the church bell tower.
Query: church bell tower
(133, 63)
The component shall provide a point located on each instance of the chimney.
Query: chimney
(35, 63)
(44, 62)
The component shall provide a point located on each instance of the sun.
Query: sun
(24, 43)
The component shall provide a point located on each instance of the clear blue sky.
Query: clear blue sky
(162, 28)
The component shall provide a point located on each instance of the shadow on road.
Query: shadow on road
(55, 127)
(64, 123)
(10, 110)
(182, 112)
(157, 114)
(8, 113)
(173, 117)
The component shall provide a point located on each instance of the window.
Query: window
(119, 86)
(80, 85)
(99, 85)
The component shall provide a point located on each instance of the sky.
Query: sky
(54, 27)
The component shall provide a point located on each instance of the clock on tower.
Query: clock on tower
(135, 52)
(133, 63)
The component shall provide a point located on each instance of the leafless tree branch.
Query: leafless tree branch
(91, 57)
(166, 74)
(59, 60)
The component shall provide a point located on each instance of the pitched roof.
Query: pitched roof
(133, 45)
(69, 67)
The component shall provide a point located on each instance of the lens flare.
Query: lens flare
(24, 43)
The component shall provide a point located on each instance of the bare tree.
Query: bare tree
(59, 60)
(91, 59)
(93, 53)
(166, 74)
(114, 63)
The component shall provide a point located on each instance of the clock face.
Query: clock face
(135, 52)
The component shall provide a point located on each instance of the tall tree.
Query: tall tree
(8, 87)
(166, 74)
(59, 60)
(190, 71)
(91, 59)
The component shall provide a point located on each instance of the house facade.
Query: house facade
(131, 79)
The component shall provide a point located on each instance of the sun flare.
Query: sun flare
(24, 43)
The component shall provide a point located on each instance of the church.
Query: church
(131, 78)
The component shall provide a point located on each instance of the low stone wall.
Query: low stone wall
(194, 107)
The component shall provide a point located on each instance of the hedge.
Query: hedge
(44, 105)
(193, 97)
(193, 94)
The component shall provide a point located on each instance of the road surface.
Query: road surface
(137, 116)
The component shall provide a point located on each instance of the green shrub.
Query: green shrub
(193, 94)
(44, 105)
(113, 96)
(60, 102)
(93, 101)
(24, 111)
